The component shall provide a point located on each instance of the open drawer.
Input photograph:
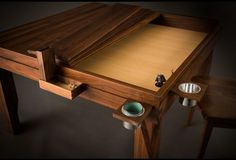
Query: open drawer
(67, 90)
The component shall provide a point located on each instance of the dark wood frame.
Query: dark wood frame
(102, 89)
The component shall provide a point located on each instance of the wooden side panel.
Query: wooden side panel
(124, 90)
(20, 69)
(104, 98)
(18, 57)
(186, 22)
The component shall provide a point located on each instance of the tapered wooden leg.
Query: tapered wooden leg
(156, 136)
(190, 116)
(8, 102)
(206, 136)
(141, 150)
(205, 70)
(206, 67)
(153, 129)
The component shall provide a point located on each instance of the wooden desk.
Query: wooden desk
(109, 55)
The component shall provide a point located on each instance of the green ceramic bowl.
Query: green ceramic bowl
(133, 109)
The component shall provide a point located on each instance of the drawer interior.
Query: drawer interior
(140, 56)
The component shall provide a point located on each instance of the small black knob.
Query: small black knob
(160, 80)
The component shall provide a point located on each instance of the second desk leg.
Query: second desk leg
(8, 102)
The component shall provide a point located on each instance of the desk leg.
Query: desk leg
(204, 71)
(140, 149)
(154, 131)
(8, 102)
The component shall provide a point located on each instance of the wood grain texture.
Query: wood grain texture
(8, 102)
(146, 138)
(73, 32)
(110, 18)
(47, 23)
(154, 130)
(47, 64)
(137, 20)
(62, 89)
(104, 98)
(20, 69)
(20, 58)
(141, 150)
(159, 113)
(107, 84)
(138, 58)
(58, 29)
(69, 38)
(29, 25)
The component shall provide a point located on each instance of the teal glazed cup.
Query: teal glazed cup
(132, 109)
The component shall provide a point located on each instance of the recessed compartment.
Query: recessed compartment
(143, 54)
(67, 90)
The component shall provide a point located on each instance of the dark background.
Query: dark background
(58, 128)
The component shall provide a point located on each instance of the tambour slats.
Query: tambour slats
(79, 32)
(55, 33)
(81, 40)
(31, 26)
(139, 19)
(44, 33)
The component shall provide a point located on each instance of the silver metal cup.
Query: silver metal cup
(190, 88)
(129, 126)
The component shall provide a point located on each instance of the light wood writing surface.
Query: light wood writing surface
(138, 58)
